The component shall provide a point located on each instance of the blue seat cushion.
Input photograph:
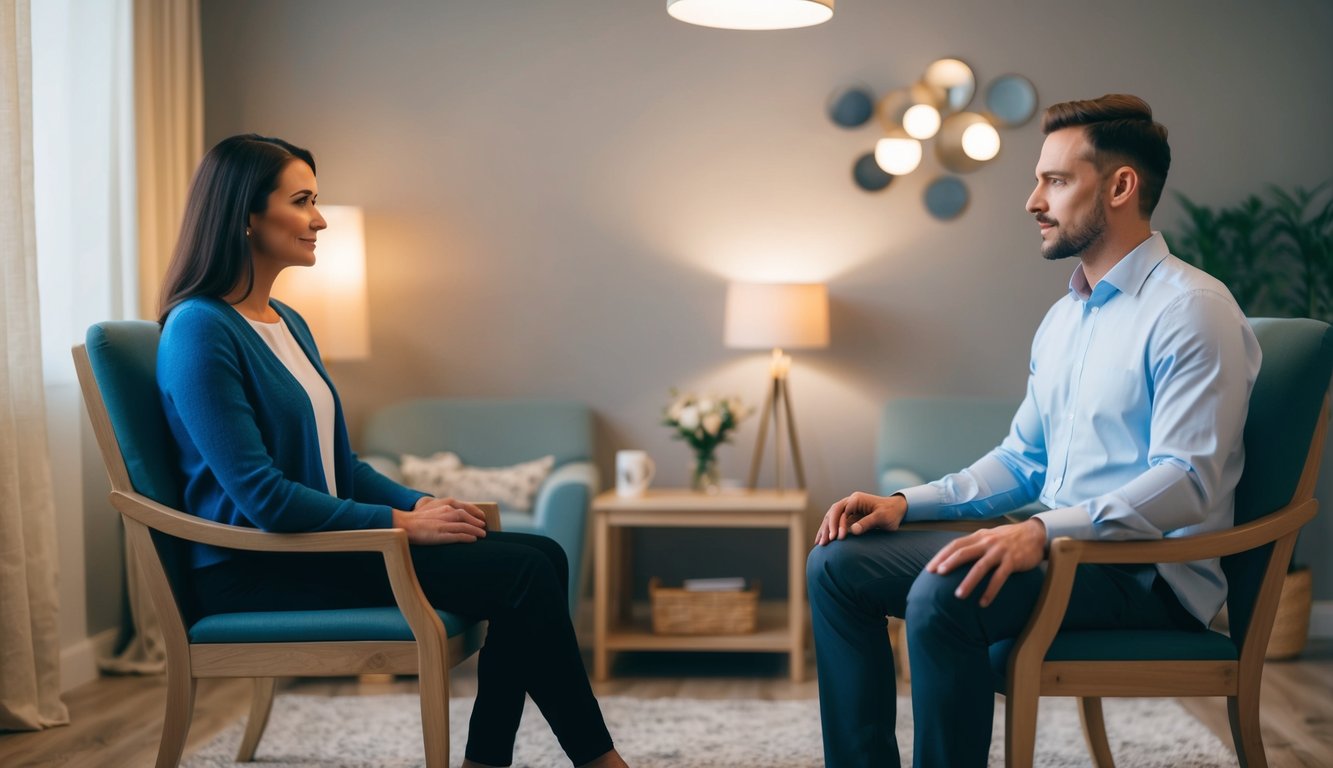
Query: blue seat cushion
(347, 624)
(1124, 645)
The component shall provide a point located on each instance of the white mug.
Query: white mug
(634, 472)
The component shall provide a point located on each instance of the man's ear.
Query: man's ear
(1124, 187)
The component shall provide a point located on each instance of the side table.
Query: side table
(613, 628)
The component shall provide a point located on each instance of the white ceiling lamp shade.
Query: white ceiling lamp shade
(898, 155)
(752, 14)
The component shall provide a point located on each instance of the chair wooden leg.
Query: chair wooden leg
(1020, 725)
(260, 706)
(1094, 730)
(1243, 712)
(898, 641)
(434, 681)
(176, 724)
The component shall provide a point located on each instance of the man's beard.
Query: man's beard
(1075, 241)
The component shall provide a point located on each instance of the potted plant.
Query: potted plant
(1275, 253)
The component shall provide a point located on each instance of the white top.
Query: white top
(279, 339)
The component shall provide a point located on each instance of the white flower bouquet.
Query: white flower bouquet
(704, 423)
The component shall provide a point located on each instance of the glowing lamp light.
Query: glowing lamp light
(898, 155)
(331, 295)
(921, 121)
(751, 14)
(981, 141)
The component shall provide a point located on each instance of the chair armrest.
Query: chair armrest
(1066, 554)
(1204, 546)
(162, 518)
(190, 528)
(391, 543)
(492, 511)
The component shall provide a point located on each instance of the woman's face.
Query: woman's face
(284, 234)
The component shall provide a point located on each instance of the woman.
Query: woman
(263, 444)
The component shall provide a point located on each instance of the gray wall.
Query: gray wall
(557, 193)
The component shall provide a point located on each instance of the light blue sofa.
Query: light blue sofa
(924, 438)
(497, 433)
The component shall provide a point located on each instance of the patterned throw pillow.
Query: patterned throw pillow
(444, 474)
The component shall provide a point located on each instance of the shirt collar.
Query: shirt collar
(1127, 276)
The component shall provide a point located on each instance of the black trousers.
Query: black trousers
(517, 582)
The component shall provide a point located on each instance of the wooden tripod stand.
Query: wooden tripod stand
(777, 406)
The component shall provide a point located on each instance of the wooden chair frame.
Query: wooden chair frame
(1030, 676)
(429, 656)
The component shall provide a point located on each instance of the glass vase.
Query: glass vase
(705, 477)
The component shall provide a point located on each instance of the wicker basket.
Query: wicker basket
(1291, 625)
(682, 612)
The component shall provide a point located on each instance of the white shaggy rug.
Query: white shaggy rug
(385, 732)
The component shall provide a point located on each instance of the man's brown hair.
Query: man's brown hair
(1121, 131)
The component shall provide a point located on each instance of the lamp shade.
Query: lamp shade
(752, 14)
(331, 295)
(775, 315)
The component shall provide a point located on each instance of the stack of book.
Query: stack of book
(726, 584)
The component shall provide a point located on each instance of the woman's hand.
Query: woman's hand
(441, 521)
(859, 513)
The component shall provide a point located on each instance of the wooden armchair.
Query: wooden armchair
(1284, 439)
(117, 371)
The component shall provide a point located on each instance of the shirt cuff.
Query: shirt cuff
(923, 501)
(1073, 522)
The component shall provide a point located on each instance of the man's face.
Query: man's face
(1067, 202)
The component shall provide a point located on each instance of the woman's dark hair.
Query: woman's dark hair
(233, 180)
(1121, 131)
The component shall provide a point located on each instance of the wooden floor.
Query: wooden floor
(116, 721)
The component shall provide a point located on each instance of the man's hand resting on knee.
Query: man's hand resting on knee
(1000, 551)
(859, 513)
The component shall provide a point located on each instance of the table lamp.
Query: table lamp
(331, 295)
(777, 316)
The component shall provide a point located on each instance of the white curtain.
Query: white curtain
(169, 130)
(169, 137)
(29, 603)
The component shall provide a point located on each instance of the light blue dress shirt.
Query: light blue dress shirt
(1137, 394)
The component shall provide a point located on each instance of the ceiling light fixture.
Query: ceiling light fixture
(752, 14)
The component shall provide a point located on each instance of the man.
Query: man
(1138, 389)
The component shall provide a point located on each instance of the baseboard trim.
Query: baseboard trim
(1321, 619)
(78, 662)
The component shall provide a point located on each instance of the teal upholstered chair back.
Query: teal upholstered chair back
(924, 438)
(123, 357)
(484, 433)
(1284, 408)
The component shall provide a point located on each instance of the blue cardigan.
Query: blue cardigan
(249, 450)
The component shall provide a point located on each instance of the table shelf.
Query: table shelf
(621, 627)
(772, 634)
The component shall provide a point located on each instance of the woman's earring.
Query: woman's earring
(247, 231)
